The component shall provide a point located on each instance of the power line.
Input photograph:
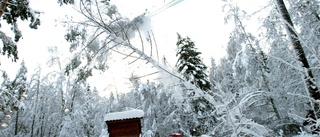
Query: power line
(165, 7)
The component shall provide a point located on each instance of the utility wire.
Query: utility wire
(165, 7)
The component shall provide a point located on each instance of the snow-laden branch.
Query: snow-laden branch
(287, 63)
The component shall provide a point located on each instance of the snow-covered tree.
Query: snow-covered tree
(293, 57)
(5, 109)
(300, 53)
(15, 94)
(192, 68)
(12, 11)
(190, 64)
(245, 73)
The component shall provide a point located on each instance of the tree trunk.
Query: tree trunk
(293, 37)
(35, 108)
(16, 124)
(32, 125)
(273, 104)
(3, 6)
(42, 118)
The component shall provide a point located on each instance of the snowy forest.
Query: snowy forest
(267, 84)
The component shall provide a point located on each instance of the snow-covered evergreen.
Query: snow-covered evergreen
(190, 64)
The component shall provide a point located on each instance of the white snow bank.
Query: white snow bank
(124, 115)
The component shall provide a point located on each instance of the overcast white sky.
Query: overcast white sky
(202, 21)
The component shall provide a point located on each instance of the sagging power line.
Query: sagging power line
(165, 7)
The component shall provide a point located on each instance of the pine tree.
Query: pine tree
(197, 109)
(190, 65)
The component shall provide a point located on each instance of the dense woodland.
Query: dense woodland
(266, 85)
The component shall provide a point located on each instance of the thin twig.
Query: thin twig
(142, 46)
(127, 55)
(150, 41)
(146, 75)
(91, 17)
(103, 48)
(99, 13)
(155, 43)
(91, 42)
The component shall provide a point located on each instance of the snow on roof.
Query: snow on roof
(175, 134)
(124, 115)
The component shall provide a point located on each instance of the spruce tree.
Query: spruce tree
(192, 68)
(190, 65)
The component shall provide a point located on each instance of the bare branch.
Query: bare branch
(150, 41)
(146, 75)
(91, 17)
(99, 13)
(142, 45)
(105, 45)
(127, 55)
(287, 63)
(154, 39)
(83, 49)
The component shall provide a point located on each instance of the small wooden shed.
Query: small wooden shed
(124, 124)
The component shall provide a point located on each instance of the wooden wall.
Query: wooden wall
(124, 128)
